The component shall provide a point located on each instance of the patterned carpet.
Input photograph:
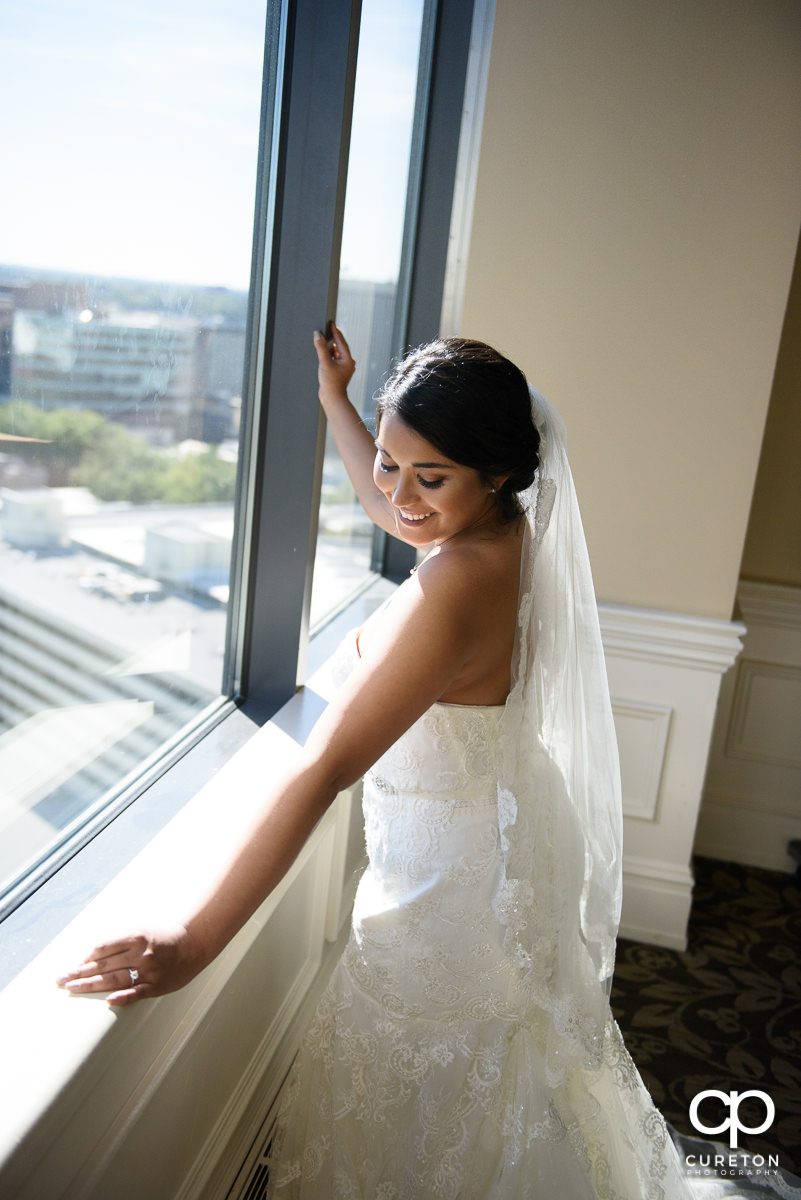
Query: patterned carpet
(725, 1013)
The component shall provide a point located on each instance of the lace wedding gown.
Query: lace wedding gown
(425, 1070)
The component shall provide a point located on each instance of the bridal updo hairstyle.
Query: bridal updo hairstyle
(473, 405)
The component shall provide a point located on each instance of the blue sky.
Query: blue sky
(130, 137)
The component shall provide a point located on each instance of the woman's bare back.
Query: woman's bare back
(489, 579)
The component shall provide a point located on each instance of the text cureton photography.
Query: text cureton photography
(734, 1163)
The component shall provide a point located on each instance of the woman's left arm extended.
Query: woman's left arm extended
(432, 634)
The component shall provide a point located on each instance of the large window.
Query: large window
(125, 262)
(175, 201)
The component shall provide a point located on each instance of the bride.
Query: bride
(464, 1047)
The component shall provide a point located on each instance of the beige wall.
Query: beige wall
(773, 543)
(636, 216)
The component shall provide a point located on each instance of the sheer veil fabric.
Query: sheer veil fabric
(562, 877)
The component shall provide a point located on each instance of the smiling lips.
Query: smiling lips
(411, 518)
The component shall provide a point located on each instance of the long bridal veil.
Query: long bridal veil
(561, 888)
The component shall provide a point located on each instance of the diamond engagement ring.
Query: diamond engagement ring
(133, 974)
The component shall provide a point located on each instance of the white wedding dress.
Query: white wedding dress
(423, 1073)
(464, 1048)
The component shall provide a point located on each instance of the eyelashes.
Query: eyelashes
(431, 484)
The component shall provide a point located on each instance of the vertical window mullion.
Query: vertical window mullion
(428, 216)
(273, 82)
(303, 272)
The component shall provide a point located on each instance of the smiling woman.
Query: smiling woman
(407, 471)
(472, 995)
(441, 468)
(455, 513)
(485, 425)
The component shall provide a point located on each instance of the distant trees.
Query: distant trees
(205, 478)
(67, 436)
(81, 447)
(119, 466)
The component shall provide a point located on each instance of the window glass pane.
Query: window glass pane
(375, 205)
(130, 170)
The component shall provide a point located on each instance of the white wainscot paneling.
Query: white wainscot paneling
(766, 715)
(664, 676)
(752, 798)
(642, 734)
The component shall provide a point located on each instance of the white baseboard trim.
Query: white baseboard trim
(657, 897)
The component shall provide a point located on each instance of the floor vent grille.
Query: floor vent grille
(251, 1182)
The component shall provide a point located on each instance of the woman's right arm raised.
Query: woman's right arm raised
(353, 438)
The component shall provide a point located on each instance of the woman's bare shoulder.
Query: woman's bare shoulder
(475, 568)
